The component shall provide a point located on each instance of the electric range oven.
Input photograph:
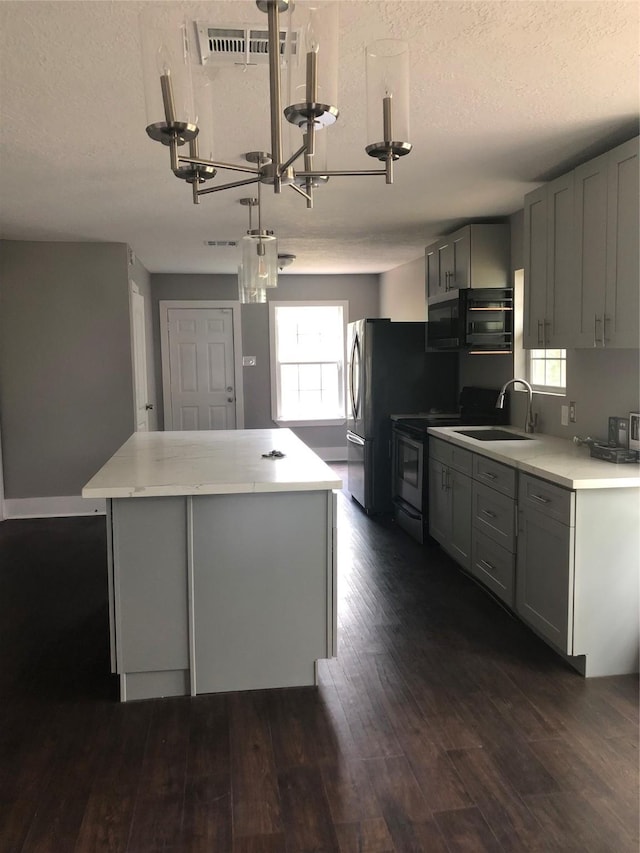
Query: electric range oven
(410, 454)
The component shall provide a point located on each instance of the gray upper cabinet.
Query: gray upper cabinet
(535, 267)
(549, 250)
(581, 256)
(474, 256)
(622, 288)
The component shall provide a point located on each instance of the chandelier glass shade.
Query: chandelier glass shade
(179, 101)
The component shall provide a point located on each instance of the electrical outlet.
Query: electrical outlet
(564, 415)
(572, 412)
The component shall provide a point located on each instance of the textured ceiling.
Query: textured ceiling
(503, 95)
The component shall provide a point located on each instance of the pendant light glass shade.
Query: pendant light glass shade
(250, 295)
(167, 77)
(388, 95)
(259, 270)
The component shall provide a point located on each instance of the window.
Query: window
(307, 361)
(548, 370)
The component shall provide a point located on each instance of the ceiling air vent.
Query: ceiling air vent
(238, 45)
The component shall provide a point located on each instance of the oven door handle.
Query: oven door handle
(401, 505)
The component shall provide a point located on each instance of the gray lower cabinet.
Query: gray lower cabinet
(577, 579)
(544, 596)
(566, 561)
(450, 499)
(216, 593)
(493, 527)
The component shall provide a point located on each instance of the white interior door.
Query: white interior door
(139, 355)
(201, 358)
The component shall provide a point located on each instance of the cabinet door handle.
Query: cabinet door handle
(489, 475)
(540, 499)
(487, 565)
(540, 335)
(488, 513)
(596, 320)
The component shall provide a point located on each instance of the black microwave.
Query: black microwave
(474, 320)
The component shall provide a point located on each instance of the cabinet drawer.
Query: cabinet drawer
(494, 566)
(494, 514)
(500, 477)
(549, 499)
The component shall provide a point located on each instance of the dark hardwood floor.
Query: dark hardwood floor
(443, 725)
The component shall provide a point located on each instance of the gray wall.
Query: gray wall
(65, 363)
(361, 291)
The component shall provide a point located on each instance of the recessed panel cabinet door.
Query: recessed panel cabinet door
(622, 298)
(544, 577)
(439, 503)
(535, 267)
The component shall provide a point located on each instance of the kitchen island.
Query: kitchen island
(221, 561)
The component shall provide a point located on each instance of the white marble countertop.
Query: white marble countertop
(213, 462)
(555, 459)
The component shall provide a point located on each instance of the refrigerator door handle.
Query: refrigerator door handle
(355, 439)
(355, 404)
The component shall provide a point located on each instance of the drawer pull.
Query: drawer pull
(540, 498)
(488, 513)
(489, 475)
(486, 565)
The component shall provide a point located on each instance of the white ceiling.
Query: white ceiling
(503, 95)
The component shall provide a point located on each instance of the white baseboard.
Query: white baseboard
(331, 454)
(53, 507)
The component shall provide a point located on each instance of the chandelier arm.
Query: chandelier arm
(328, 173)
(293, 158)
(234, 167)
(229, 186)
(273, 27)
(301, 191)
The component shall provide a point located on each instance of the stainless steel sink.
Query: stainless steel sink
(492, 435)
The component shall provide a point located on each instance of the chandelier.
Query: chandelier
(180, 114)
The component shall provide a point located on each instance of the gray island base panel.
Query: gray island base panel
(219, 593)
(221, 561)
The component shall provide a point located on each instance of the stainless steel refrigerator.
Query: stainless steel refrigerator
(389, 372)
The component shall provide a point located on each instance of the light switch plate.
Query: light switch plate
(248, 361)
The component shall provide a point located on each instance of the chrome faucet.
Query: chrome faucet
(529, 424)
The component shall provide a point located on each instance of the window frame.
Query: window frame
(554, 390)
(274, 366)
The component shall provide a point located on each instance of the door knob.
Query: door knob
(229, 387)
(229, 399)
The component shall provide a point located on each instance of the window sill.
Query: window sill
(550, 392)
(313, 423)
